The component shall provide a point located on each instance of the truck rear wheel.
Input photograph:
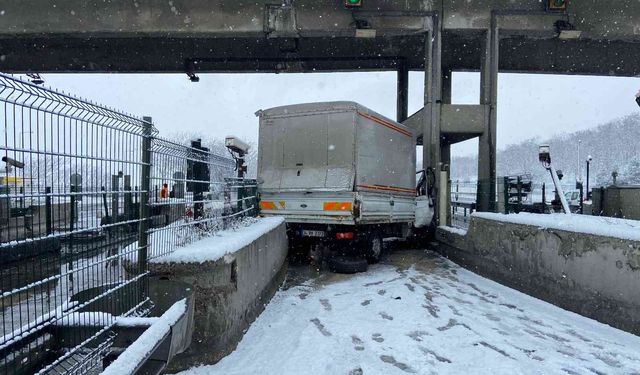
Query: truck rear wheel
(373, 248)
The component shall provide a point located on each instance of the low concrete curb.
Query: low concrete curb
(230, 293)
(595, 276)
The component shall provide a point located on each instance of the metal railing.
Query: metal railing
(538, 197)
(463, 202)
(83, 206)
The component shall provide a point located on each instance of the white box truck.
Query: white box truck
(338, 171)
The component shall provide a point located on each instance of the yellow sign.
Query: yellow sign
(11, 180)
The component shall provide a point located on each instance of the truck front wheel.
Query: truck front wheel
(373, 248)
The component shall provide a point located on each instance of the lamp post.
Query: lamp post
(544, 155)
(588, 164)
(579, 164)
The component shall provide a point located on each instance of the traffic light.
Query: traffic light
(352, 3)
(557, 5)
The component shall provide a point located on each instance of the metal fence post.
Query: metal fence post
(519, 189)
(128, 199)
(48, 214)
(505, 182)
(145, 185)
(544, 197)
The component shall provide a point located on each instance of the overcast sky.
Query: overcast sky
(222, 104)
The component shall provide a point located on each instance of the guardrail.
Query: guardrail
(87, 195)
(538, 198)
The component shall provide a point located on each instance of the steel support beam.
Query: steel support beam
(402, 110)
(445, 148)
(431, 153)
(486, 193)
(445, 145)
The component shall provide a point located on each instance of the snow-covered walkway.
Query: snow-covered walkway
(420, 313)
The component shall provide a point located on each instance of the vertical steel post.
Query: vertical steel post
(544, 197)
(128, 199)
(588, 192)
(48, 215)
(487, 141)
(145, 185)
(200, 173)
(72, 214)
(115, 198)
(519, 189)
(581, 199)
(505, 192)
(241, 183)
(431, 115)
(402, 99)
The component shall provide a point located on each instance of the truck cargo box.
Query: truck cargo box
(335, 162)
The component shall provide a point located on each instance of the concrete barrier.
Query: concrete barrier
(593, 275)
(230, 293)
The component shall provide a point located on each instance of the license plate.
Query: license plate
(312, 233)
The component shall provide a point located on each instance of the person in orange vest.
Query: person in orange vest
(164, 192)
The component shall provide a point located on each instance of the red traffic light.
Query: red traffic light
(352, 3)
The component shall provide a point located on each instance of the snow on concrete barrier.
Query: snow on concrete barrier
(587, 264)
(225, 242)
(137, 353)
(234, 274)
(596, 225)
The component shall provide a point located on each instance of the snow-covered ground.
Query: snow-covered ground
(420, 313)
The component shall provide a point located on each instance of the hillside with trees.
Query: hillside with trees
(614, 146)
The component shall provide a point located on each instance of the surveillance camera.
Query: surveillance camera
(589, 158)
(236, 145)
(13, 162)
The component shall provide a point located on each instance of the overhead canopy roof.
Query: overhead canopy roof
(307, 36)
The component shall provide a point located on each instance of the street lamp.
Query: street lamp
(588, 164)
(544, 155)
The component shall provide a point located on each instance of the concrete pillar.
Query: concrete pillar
(487, 143)
(402, 110)
(431, 153)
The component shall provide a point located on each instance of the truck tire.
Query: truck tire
(344, 264)
(373, 248)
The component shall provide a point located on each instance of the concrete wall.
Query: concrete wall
(229, 294)
(595, 276)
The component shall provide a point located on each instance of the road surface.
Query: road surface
(417, 312)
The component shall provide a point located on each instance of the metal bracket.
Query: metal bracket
(281, 21)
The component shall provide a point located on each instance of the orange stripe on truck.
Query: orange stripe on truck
(266, 205)
(388, 188)
(386, 124)
(337, 206)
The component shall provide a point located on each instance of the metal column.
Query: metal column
(486, 193)
(432, 99)
(402, 110)
(445, 147)
(145, 186)
(445, 151)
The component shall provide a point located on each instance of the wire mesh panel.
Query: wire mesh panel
(87, 196)
(69, 204)
(193, 195)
